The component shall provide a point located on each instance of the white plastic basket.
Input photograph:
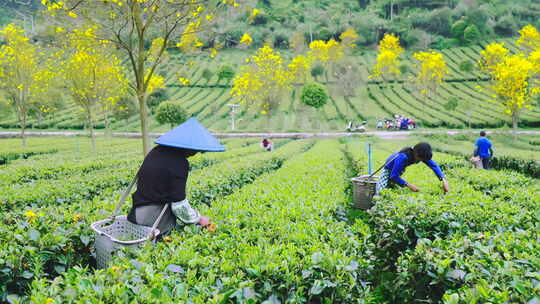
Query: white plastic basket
(116, 232)
(110, 236)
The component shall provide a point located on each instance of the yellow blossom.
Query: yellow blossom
(431, 70)
(184, 81)
(246, 39)
(77, 217)
(388, 58)
(213, 52)
(348, 38)
(263, 80)
(529, 38)
(491, 56)
(326, 52)
(254, 13)
(30, 215)
(155, 82)
(300, 67)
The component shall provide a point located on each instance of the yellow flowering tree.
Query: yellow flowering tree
(253, 14)
(246, 40)
(513, 86)
(263, 81)
(529, 38)
(513, 78)
(299, 68)
(46, 94)
(326, 53)
(349, 38)
(26, 74)
(131, 24)
(388, 59)
(491, 56)
(93, 74)
(431, 68)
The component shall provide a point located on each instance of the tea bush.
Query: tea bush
(488, 267)
(45, 229)
(286, 233)
(7, 156)
(426, 237)
(475, 203)
(277, 242)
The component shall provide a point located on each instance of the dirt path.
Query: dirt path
(381, 134)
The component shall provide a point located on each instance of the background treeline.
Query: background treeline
(420, 24)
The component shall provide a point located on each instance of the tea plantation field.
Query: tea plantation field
(286, 230)
(208, 99)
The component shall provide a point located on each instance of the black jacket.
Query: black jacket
(162, 177)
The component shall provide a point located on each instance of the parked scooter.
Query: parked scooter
(357, 128)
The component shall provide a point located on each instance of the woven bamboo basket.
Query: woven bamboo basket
(364, 188)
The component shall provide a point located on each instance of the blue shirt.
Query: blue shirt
(483, 147)
(397, 167)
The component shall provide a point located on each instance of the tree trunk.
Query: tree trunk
(514, 125)
(318, 113)
(310, 33)
(106, 119)
(22, 114)
(141, 75)
(144, 122)
(91, 127)
(23, 129)
(326, 74)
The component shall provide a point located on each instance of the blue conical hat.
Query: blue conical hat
(190, 135)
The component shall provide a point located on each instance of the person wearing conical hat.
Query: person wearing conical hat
(163, 175)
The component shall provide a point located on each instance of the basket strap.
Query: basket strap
(152, 233)
(123, 198)
(386, 163)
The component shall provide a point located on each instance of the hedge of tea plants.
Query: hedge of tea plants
(476, 244)
(45, 227)
(285, 232)
(509, 154)
(485, 267)
(277, 242)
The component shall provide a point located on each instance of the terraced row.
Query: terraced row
(46, 227)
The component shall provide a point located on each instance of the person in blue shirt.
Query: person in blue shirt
(484, 149)
(399, 161)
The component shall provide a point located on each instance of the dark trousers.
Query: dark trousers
(485, 163)
(147, 215)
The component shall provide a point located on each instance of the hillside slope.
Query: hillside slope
(209, 100)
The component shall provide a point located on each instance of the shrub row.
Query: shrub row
(485, 267)
(63, 169)
(529, 167)
(8, 156)
(113, 173)
(52, 236)
(423, 232)
(277, 241)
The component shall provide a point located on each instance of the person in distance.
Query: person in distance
(267, 144)
(397, 163)
(484, 150)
